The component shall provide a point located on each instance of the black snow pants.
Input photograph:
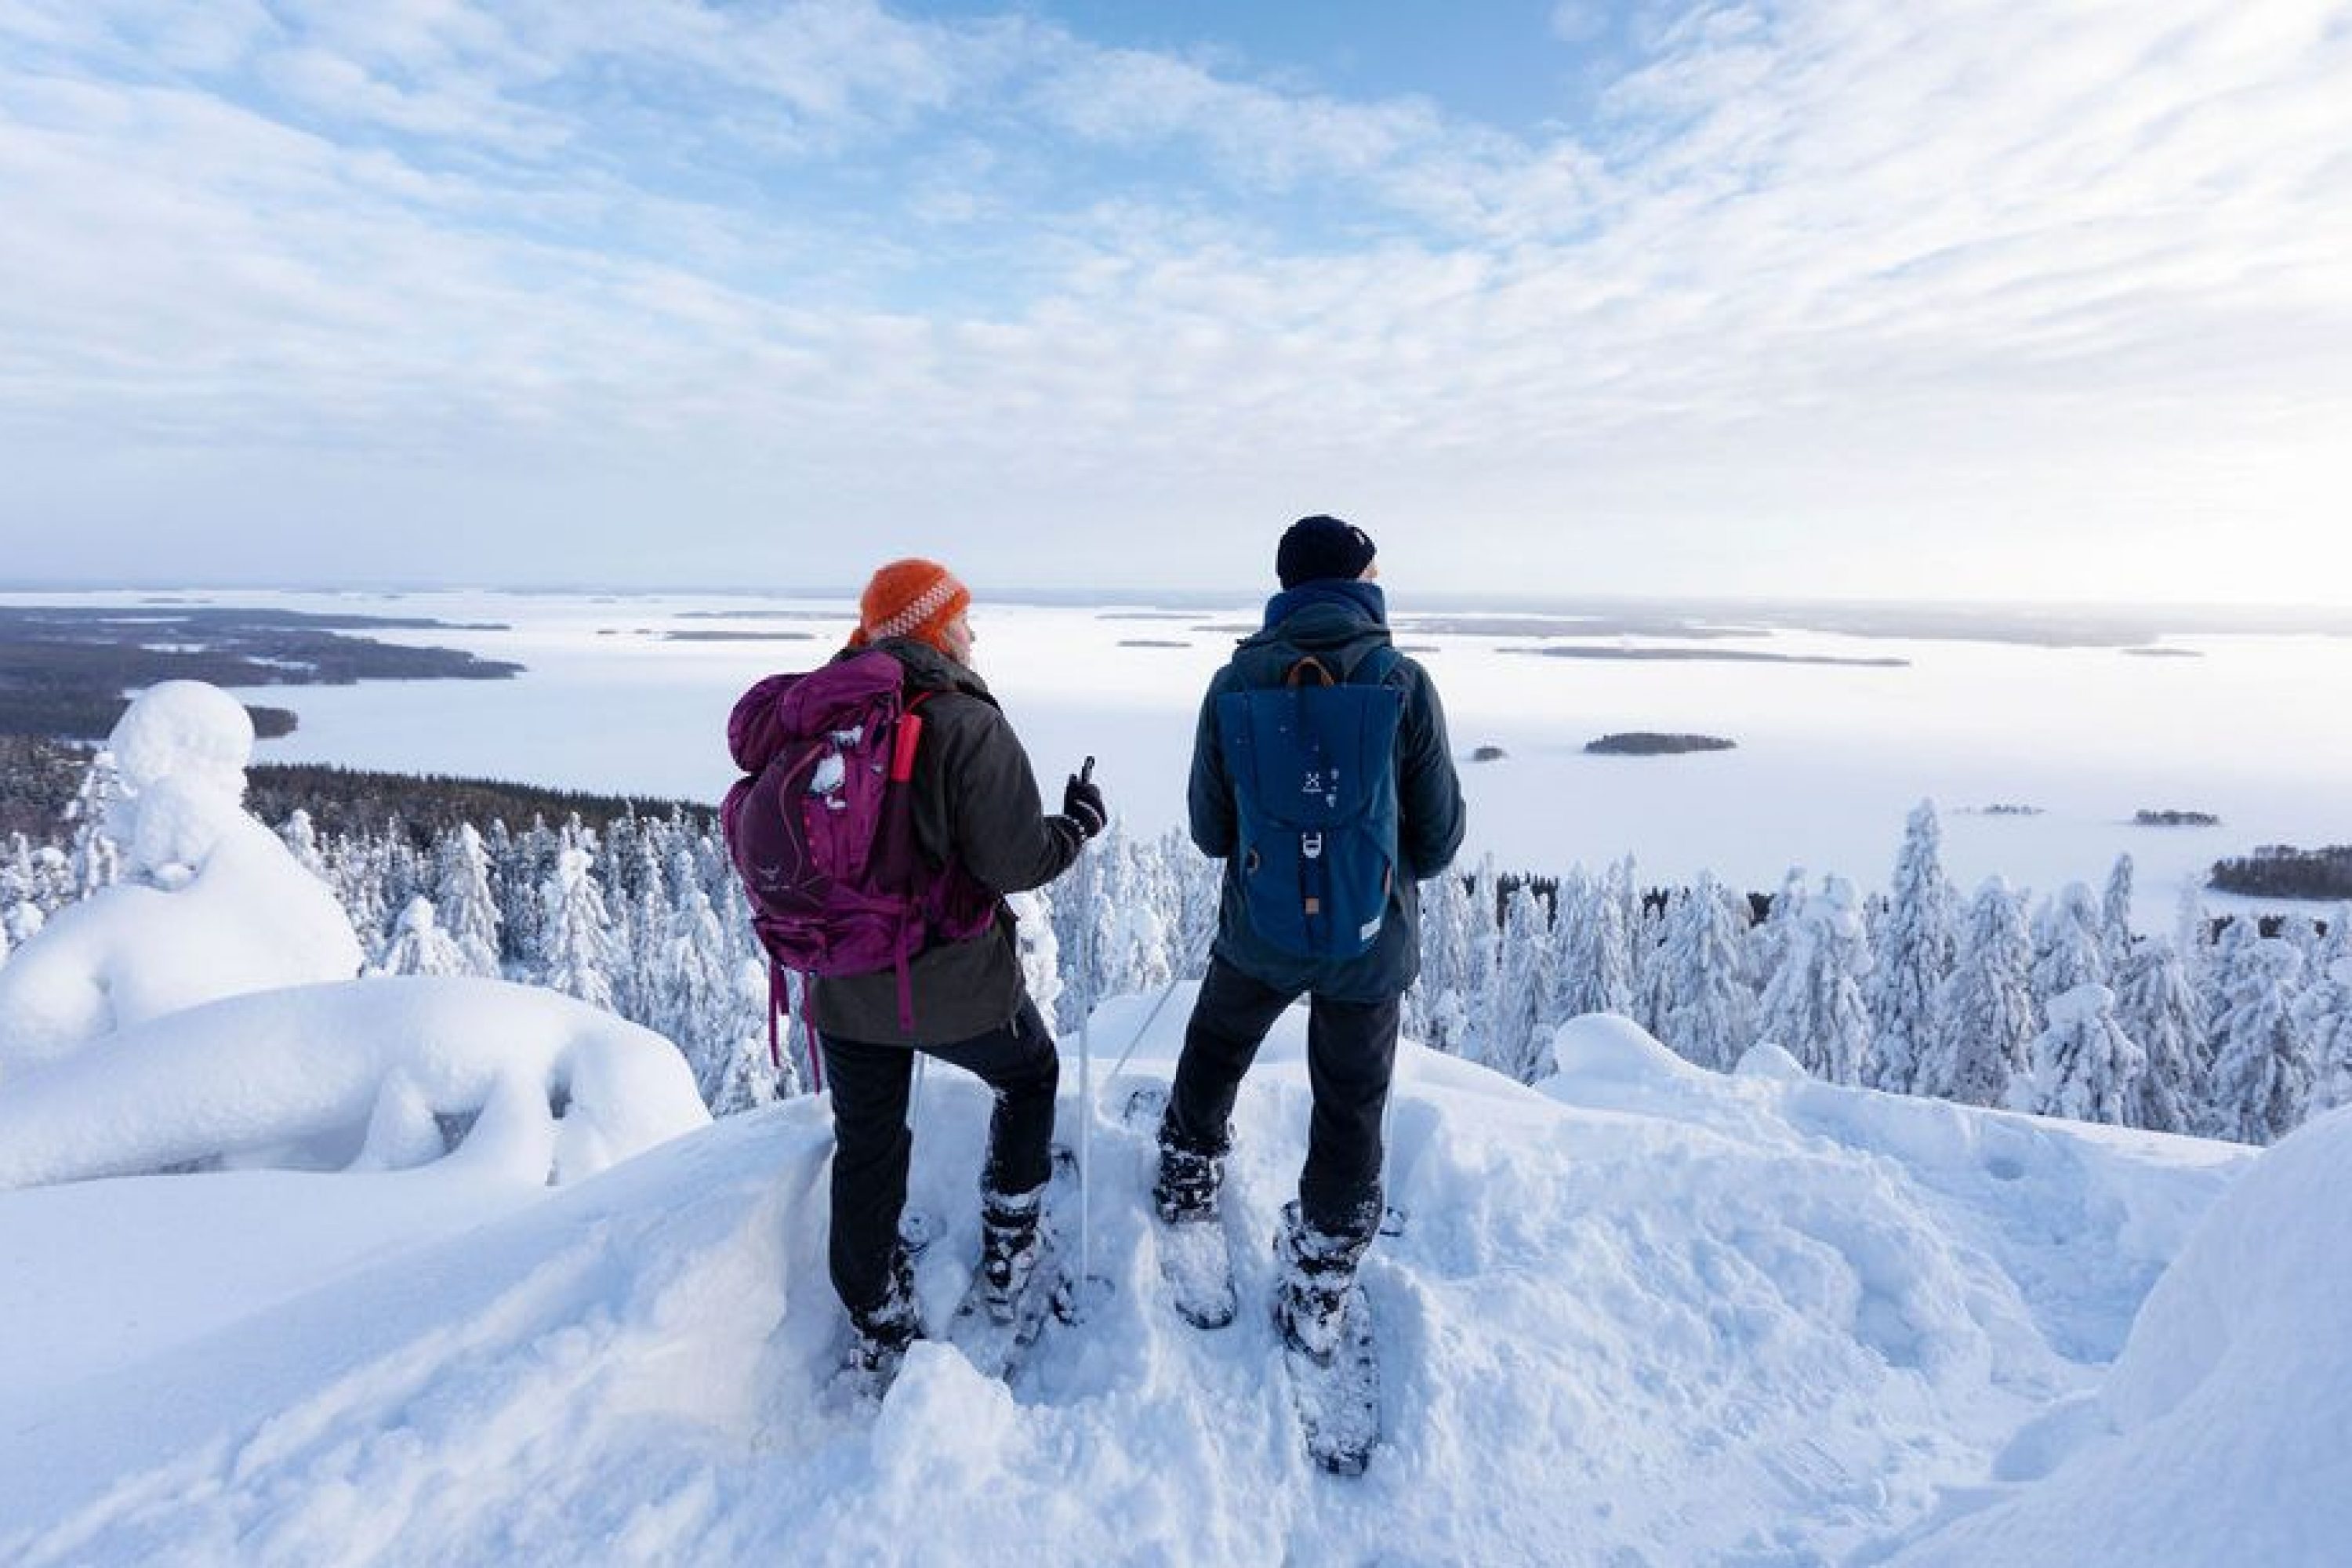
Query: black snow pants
(1351, 1054)
(871, 1143)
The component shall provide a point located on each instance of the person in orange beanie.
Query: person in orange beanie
(979, 824)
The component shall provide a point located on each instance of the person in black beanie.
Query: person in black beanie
(1318, 547)
(1331, 617)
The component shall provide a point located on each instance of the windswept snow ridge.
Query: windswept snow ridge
(1641, 1314)
(373, 1074)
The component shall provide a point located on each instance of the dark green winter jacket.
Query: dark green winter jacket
(975, 803)
(1341, 621)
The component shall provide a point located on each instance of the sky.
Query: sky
(1954, 298)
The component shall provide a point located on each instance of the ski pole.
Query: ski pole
(1085, 1095)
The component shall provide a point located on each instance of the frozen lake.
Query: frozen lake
(1830, 756)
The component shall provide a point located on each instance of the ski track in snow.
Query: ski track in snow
(1644, 1314)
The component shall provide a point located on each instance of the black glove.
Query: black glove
(1082, 803)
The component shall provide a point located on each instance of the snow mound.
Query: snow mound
(1606, 1044)
(1768, 1062)
(213, 905)
(1640, 1317)
(2220, 1437)
(369, 1075)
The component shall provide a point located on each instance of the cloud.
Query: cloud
(1818, 282)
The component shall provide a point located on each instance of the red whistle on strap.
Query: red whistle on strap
(902, 754)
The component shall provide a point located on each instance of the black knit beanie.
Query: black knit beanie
(1321, 547)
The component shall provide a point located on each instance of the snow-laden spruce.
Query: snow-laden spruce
(210, 903)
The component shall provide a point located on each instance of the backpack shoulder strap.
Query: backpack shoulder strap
(1376, 666)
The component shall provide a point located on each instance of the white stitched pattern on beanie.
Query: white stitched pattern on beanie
(926, 605)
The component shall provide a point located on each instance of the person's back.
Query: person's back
(981, 832)
(1330, 612)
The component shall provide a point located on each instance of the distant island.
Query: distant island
(2280, 871)
(738, 637)
(1715, 655)
(1648, 744)
(63, 672)
(1151, 642)
(2001, 808)
(2175, 820)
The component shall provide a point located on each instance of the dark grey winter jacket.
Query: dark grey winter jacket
(976, 803)
(1341, 623)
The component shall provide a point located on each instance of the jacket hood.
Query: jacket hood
(927, 670)
(1341, 616)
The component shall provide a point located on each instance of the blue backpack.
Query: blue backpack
(1313, 771)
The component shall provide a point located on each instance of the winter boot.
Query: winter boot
(1310, 1298)
(1009, 1246)
(881, 1334)
(1186, 1190)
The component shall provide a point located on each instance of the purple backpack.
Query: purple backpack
(821, 829)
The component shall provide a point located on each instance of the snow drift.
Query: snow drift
(1644, 1314)
(379, 1074)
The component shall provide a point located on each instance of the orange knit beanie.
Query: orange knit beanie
(910, 598)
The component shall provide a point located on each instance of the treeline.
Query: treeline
(2277, 871)
(2235, 1028)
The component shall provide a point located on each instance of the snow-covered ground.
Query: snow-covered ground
(1830, 757)
(1640, 1314)
(455, 1271)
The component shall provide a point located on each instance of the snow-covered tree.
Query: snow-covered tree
(1985, 1017)
(2114, 917)
(2324, 1014)
(1654, 981)
(1710, 1014)
(2192, 933)
(1040, 955)
(301, 840)
(2261, 1066)
(2084, 1067)
(1916, 949)
(579, 931)
(1447, 981)
(1595, 973)
(1768, 940)
(1513, 1045)
(419, 945)
(2159, 1010)
(96, 859)
(1814, 1008)
(2069, 949)
(462, 895)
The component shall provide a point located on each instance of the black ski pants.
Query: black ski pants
(871, 1141)
(1350, 1056)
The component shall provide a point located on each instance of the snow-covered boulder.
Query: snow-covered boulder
(373, 1075)
(212, 903)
